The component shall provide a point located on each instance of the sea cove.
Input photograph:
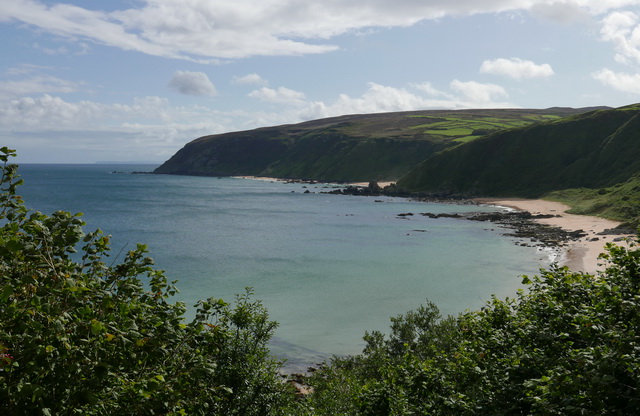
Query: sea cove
(328, 267)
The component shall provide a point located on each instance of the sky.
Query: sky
(135, 80)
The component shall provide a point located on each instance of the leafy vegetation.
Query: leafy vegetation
(80, 334)
(348, 148)
(567, 346)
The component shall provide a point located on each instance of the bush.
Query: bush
(570, 345)
(82, 335)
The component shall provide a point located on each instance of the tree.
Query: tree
(80, 334)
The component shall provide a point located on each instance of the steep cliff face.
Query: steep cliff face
(595, 149)
(229, 154)
(347, 148)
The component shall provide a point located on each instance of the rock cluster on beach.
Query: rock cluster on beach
(522, 223)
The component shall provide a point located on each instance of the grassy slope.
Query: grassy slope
(596, 149)
(347, 148)
(591, 156)
(620, 202)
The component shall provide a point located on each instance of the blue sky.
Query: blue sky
(135, 80)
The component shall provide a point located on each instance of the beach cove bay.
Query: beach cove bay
(327, 267)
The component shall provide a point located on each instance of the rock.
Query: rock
(302, 390)
(522, 225)
(374, 188)
(436, 216)
(621, 229)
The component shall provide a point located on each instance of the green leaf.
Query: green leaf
(97, 327)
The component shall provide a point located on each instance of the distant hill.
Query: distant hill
(596, 149)
(350, 148)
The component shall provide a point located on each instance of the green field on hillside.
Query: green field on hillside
(465, 129)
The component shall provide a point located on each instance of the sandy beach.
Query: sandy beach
(267, 178)
(260, 178)
(380, 184)
(581, 255)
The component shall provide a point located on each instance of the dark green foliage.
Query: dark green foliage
(350, 148)
(568, 346)
(80, 334)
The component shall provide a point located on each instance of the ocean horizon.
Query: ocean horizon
(327, 267)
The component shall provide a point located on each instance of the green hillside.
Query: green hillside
(588, 156)
(591, 150)
(347, 148)
(620, 202)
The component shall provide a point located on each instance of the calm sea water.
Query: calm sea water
(327, 267)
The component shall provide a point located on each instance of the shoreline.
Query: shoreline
(272, 179)
(578, 256)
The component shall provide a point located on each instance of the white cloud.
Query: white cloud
(250, 79)
(516, 68)
(37, 84)
(430, 90)
(623, 30)
(478, 93)
(29, 79)
(629, 83)
(53, 113)
(205, 30)
(379, 98)
(280, 95)
(61, 50)
(150, 128)
(561, 11)
(192, 83)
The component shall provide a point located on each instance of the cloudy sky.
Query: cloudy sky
(134, 80)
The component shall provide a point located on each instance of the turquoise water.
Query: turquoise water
(328, 267)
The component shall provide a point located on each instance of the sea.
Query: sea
(327, 267)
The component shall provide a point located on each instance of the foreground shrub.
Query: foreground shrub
(569, 345)
(80, 334)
